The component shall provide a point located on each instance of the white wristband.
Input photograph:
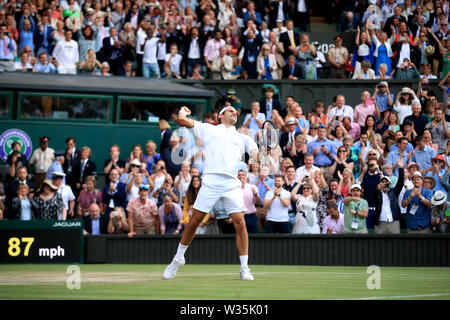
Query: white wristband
(182, 112)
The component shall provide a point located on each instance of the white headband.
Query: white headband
(225, 109)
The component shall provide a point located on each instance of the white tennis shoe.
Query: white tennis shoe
(245, 274)
(172, 268)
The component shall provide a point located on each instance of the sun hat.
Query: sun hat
(438, 198)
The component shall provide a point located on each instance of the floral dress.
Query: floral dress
(48, 209)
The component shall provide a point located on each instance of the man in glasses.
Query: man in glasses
(142, 214)
(42, 159)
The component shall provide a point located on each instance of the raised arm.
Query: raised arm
(182, 119)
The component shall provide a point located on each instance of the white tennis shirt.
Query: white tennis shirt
(223, 147)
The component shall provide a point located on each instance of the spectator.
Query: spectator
(418, 204)
(95, 223)
(114, 162)
(365, 72)
(150, 68)
(323, 151)
(290, 39)
(346, 180)
(403, 103)
(407, 70)
(188, 203)
(45, 64)
(355, 212)
(23, 65)
(440, 129)
(350, 22)
(307, 170)
(142, 214)
(251, 47)
(254, 120)
(364, 109)
(292, 70)
(287, 139)
(12, 191)
(306, 220)
(91, 65)
(342, 161)
(211, 49)
(82, 168)
(182, 182)
(7, 49)
(15, 160)
(251, 197)
(266, 64)
(302, 12)
(338, 56)
(47, 202)
(172, 66)
(134, 181)
(334, 222)
(21, 204)
(439, 218)
(170, 216)
(88, 196)
(269, 103)
(56, 166)
(128, 38)
(336, 114)
(117, 223)
(166, 189)
(306, 53)
(264, 183)
(26, 31)
(166, 134)
(277, 202)
(417, 118)
(114, 194)
(395, 154)
(66, 54)
(222, 65)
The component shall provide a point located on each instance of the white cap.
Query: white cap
(356, 185)
(386, 178)
(135, 162)
(416, 174)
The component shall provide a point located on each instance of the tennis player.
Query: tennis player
(223, 147)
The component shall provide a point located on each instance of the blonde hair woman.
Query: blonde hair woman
(346, 180)
(166, 133)
(266, 65)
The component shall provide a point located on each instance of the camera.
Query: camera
(116, 213)
(162, 168)
(371, 165)
(386, 185)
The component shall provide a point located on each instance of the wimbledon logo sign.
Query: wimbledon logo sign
(8, 137)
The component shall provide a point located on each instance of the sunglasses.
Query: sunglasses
(342, 151)
(307, 188)
(371, 154)
(143, 188)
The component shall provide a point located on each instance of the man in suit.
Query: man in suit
(95, 223)
(72, 154)
(193, 53)
(278, 14)
(135, 16)
(113, 50)
(390, 21)
(13, 186)
(290, 39)
(269, 103)
(252, 46)
(114, 194)
(43, 37)
(222, 65)
(287, 139)
(292, 70)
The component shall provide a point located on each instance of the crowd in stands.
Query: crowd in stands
(223, 39)
(380, 166)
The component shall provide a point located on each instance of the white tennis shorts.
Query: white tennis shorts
(217, 187)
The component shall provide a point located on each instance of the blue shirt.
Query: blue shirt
(11, 48)
(439, 186)
(382, 102)
(423, 158)
(95, 226)
(47, 68)
(26, 37)
(304, 124)
(422, 216)
(409, 148)
(262, 189)
(321, 159)
(393, 157)
(25, 207)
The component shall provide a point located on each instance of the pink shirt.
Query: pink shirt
(361, 113)
(355, 131)
(144, 214)
(212, 48)
(249, 197)
(336, 227)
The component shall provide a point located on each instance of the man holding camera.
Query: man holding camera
(166, 189)
(384, 98)
(7, 48)
(387, 211)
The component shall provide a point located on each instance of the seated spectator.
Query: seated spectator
(170, 216)
(117, 223)
(365, 72)
(427, 73)
(95, 223)
(45, 64)
(23, 65)
(364, 109)
(88, 196)
(266, 64)
(337, 113)
(173, 63)
(142, 214)
(356, 210)
(334, 222)
(104, 71)
(407, 70)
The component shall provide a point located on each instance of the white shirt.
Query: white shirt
(223, 147)
(67, 195)
(134, 193)
(301, 172)
(405, 52)
(162, 51)
(386, 212)
(301, 6)
(66, 52)
(277, 211)
(140, 38)
(194, 49)
(345, 111)
(174, 63)
(150, 49)
(253, 126)
(280, 13)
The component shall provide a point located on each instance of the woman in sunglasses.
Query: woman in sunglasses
(341, 161)
(306, 220)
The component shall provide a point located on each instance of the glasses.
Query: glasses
(342, 151)
(307, 188)
(44, 141)
(371, 154)
(143, 188)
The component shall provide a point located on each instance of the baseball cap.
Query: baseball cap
(57, 175)
(385, 178)
(439, 157)
(356, 186)
(135, 162)
(337, 37)
(383, 84)
(231, 91)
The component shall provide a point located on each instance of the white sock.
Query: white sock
(244, 261)
(180, 251)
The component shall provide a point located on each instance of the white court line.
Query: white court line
(402, 297)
